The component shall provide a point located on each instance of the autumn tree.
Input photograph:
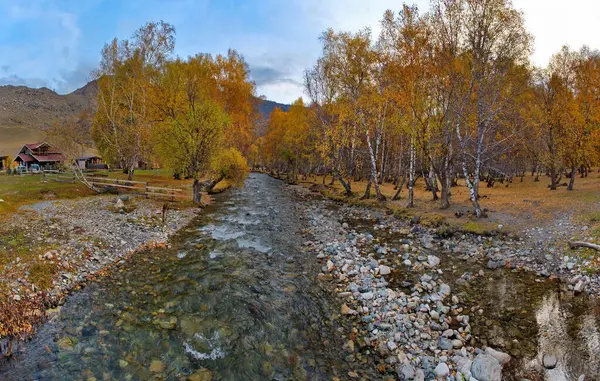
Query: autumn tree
(122, 123)
(73, 139)
(191, 133)
(237, 97)
(289, 142)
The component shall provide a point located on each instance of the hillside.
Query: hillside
(24, 110)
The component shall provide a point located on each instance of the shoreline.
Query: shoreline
(419, 326)
(548, 258)
(94, 234)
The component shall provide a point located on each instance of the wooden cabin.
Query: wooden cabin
(42, 154)
(91, 162)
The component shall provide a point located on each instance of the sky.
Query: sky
(57, 43)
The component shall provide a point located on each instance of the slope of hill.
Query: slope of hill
(24, 110)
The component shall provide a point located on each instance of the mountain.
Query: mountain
(266, 106)
(24, 110)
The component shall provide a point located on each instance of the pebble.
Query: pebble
(442, 370)
(384, 270)
(405, 372)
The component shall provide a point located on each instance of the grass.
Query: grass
(520, 205)
(21, 190)
(41, 274)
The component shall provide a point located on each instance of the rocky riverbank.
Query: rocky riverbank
(397, 283)
(53, 247)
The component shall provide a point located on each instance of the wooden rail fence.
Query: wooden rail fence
(136, 188)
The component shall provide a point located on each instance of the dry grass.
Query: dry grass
(516, 206)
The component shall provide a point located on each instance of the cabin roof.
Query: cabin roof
(52, 157)
(35, 145)
(26, 158)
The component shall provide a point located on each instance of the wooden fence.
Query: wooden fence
(136, 188)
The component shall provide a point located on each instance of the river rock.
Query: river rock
(502, 357)
(433, 261)
(496, 264)
(119, 204)
(427, 241)
(391, 345)
(549, 361)
(442, 370)
(419, 375)
(444, 289)
(405, 372)
(330, 266)
(384, 270)
(345, 310)
(457, 344)
(579, 286)
(367, 295)
(486, 368)
(445, 344)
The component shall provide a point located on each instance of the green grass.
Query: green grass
(22, 190)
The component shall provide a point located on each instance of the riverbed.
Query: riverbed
(240, 295)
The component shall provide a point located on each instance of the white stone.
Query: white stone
(384, 270)
(442, 370)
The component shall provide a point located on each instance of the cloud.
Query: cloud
(43, 47)
(266, 75)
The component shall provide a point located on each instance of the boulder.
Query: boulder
(486, 368)
(502, 357)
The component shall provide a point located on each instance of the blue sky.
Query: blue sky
(56, 43)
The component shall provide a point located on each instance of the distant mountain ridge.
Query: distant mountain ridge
(267, 106)
(24, 110)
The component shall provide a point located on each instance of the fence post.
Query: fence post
(147, 196)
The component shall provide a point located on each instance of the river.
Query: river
(235, 297)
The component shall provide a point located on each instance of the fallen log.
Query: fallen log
(577, 244)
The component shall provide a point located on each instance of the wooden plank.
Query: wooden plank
(169, 195)
(124, 181)
(127, 181)
(116, 185)
(166, 189)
